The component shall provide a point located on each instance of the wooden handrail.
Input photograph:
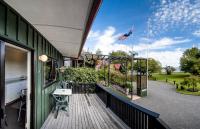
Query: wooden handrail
(127, 101)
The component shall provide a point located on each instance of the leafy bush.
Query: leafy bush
(81, 75)
(101, 74)
(191, 81)
(120, 79)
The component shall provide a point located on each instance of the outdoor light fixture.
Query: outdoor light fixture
(43, 58)
(62, 69)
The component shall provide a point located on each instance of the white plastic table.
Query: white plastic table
(65, 92)
(62, 99)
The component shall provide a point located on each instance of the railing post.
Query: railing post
(151, 122)
(107, 100)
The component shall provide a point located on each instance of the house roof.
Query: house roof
(117, 66)
(64, 23)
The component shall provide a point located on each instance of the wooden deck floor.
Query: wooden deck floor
(86, 112)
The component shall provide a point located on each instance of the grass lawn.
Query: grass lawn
(188, 92)
(177, 77)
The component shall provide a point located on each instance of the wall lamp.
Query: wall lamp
(43, 58)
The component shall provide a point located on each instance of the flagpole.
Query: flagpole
(148, 36)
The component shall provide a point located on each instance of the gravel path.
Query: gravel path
(177, 110)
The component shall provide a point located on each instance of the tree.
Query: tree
(118, 53)
(154, 66)
(190, 61)
(169, 69)
(98, 52)
(191, 81)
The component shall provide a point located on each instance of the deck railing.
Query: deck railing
(135, 116)
(79, 88)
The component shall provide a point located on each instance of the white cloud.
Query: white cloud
(196, 33)
(93, 34)
(174, 13)
(107, 41)
(166, 58)
(160, 44)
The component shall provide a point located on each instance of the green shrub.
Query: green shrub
(81, 75)
(191, 81)
(182, 87)
(177, 85)
(101, 74)
(192, 90)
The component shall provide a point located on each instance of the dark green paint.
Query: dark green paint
(22, 31)
(2, 19)
(16, 30)
(12, 25)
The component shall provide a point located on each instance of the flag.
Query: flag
(126, 35)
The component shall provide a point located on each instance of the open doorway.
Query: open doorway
(17, 87)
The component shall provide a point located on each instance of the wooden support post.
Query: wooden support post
(107, 99)
(109, 71)
(132, 77)
(104, 71)
(126, 83)
(151, 122)
(126, 71)
(84, 60)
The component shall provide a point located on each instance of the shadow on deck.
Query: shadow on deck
(85, 112)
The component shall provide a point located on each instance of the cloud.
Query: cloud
(170, 13)
(196, 33)
(162, 43)
(107, 41)
(166, 58)
(93, 34)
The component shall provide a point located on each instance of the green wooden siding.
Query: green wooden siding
(12, 25)
(23, 28)
(15, 29)
(2, 19)
(30, 37)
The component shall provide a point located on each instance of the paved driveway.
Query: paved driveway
(177, 110)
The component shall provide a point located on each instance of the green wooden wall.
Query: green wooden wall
(15, 29)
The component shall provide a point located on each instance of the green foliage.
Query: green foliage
(190, 61)
(153, 66)
(118, 53)
(191, 81)
(102, 74)
(123, 68)
(169, 70)
(120, 79)
(81, 75)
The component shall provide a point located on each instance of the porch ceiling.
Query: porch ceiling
(65, 23)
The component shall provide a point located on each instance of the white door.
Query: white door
(28, 84)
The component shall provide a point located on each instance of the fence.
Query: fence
(133, 115)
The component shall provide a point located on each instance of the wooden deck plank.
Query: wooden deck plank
(106, 119)
(87, 115)
(85, 112)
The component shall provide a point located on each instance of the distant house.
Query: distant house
(117, 66)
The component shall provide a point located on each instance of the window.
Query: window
(50, 72)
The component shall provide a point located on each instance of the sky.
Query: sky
(162, 29)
